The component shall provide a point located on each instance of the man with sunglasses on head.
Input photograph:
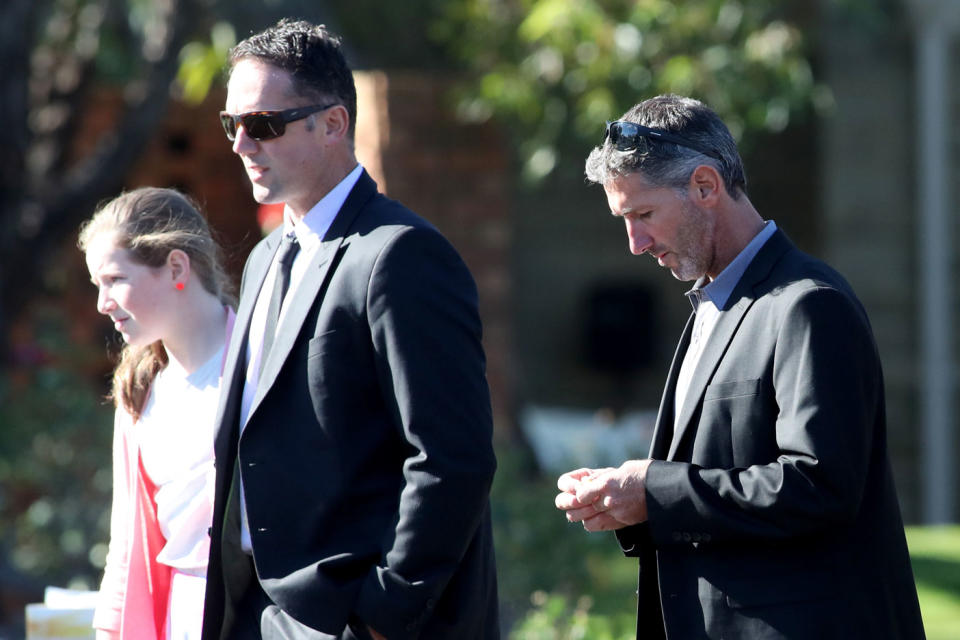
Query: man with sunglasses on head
(766, 509)
(353, 451)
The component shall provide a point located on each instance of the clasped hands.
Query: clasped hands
(605, 499)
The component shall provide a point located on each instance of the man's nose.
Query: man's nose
(243, 143)
(640, 241)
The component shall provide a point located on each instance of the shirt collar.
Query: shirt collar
(315, 224)
(719, 290)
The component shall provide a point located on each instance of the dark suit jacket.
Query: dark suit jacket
(772, 510)
(367, 456)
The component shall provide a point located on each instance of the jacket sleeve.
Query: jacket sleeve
(113, 587)
(827, 389)
(425, 328)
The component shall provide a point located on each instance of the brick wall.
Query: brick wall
(457, 177)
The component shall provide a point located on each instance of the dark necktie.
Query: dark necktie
(287, 252)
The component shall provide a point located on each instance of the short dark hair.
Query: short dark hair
(312, 56)
(665, 164)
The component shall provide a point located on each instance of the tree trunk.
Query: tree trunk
(42, 202)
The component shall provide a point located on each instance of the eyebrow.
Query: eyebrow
(93, 278)
(630, 210)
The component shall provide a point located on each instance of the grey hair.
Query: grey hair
(665, 164)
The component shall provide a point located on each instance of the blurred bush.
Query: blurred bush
(546, 566)
(553, 618)
(55, 469)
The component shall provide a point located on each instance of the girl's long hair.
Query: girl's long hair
(149, 223)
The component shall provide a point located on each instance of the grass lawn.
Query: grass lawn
(935, 553)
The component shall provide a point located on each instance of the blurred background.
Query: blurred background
(478, 114)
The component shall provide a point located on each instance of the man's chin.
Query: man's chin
(684, 273)
(264, 195)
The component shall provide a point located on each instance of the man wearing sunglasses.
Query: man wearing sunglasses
(766, 508)
(354, 455)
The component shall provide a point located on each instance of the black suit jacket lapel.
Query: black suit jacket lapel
(663, 431)
(728, 322)
(309, 289)
(234, 371)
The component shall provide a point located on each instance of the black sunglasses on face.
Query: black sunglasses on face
(266, 125)
(630, 136)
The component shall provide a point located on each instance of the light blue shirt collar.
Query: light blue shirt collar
(719, 290)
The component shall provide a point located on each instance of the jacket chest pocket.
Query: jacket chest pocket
(731, 390)
(736, 423)
(339, 374)
(326, 359)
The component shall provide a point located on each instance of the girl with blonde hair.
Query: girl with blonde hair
(158, 273)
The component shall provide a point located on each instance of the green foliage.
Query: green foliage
(539, 552)
(553, 619)
(555, 70)
(55, 471)
(202, 63)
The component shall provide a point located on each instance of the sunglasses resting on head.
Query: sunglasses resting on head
(630, 136)
(266, 125)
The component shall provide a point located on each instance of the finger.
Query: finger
(602, 522)
(566, 502)
(568, 482)
(580, 514)
(589, 491)
(593, 487)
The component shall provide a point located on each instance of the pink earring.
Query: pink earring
(179, 286)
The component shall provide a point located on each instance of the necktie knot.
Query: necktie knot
(288, 250)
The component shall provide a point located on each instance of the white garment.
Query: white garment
(175, 434)
(185, 611)
(703, 323)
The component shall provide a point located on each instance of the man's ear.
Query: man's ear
(706, 186)
(178, 262)
(335, 122)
